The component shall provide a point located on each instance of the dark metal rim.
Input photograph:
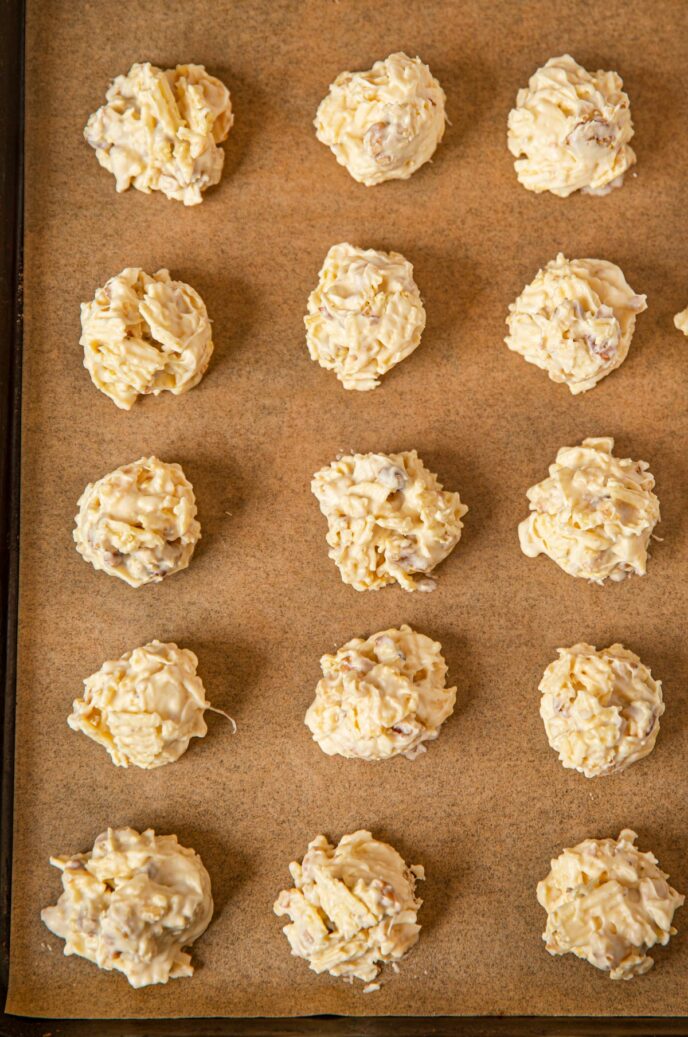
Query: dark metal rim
(11, 207)
(339, 1026)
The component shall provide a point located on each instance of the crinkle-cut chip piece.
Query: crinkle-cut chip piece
(365, 316)
(384, 123)
(575, 321)
(570, 130)
(600, 709)
(681, 321)
(133, 903)
(609, 904)
(352, 908)
(138, 522)
(144, 707)
(389, 520)
(594, 515)
(381, 697)
(159, 130)
(144, 334)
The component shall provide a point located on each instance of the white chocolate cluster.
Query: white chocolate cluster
(575, 321)
(144, 334)
(594, 515)
(681, 321)
(570, 130)
(160, 130)
(133, 903)
(389, 519)
(381, 697)
(364, 316)
(384, 123)
(600, 709)
(144, 707)
(353, 907)
(138, 522)
(608, 903)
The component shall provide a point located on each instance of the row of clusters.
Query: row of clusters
(570, 129)
(136, 900)
(389, 518)
(379, 697)
(146, 334)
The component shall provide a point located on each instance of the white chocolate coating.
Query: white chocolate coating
(352, 906)
(381, 697)
(145, 707)
(388, 519)
(138, 522)
(144, 334)
(608, 903)
(570, 130)
(575, 321)
(132, 903)
(681, 321)
(159, 130)
(594, 515)
(384, 123)
(600, 709)
(364, 316)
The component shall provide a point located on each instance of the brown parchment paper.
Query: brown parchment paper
(488, 805)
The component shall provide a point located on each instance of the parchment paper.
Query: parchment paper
(488, 805)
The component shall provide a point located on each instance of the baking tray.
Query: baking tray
(11, 346)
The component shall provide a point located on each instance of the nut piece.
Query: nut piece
(570, 130)
(138, 522)
(160, 130)
(388, 519)
(575, 321)
(352, 906)
(594, 515)
(382, 697)
(145, 707)
(601, 709)
(132, 903)
(608, 903)
(383, 124)
(145, 334)
(365, 316)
